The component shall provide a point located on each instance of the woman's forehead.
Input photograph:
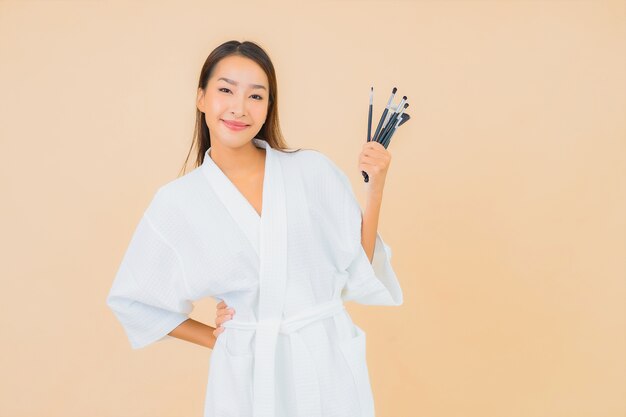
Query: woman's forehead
(241, 71)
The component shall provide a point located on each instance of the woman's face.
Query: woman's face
(238, 91)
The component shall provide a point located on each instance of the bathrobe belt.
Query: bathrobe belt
(306, 385)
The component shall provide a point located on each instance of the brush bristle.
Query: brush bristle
(394, 90)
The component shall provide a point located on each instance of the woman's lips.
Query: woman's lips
(235, 127)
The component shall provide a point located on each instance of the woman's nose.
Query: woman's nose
(237, 107)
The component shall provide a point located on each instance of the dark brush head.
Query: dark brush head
(394, 90)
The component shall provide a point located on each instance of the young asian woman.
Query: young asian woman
(278, 236)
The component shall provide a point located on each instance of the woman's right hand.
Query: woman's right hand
(223, 314)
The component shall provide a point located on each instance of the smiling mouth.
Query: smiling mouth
(234, 127)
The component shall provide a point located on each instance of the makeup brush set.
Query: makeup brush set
(388, 124)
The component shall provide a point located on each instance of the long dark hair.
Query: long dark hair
(270, 132)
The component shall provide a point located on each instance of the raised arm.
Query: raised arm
(369, 225)
(373, 159)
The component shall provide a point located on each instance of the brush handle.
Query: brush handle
(390, 123)
(384, 138)
(369, 124)
(387, 138)
(380, 124)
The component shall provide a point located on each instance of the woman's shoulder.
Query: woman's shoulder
(176, 194)
(313, 159)
(318, 169)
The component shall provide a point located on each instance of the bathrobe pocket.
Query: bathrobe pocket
(239, 342)
(353, 350)
(229, 391)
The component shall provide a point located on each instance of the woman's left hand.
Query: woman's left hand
(375, 159)
(223, 314)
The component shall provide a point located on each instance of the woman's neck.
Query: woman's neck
(239, 162)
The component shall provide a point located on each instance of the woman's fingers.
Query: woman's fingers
(374, 159)
(223, 311)
(223, 318)
(223, 314)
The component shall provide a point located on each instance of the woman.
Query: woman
(276, 234)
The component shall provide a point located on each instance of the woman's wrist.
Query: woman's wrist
(212, 338)
(195, 332)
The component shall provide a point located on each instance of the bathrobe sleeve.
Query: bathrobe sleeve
(372, 283)
(149, 295)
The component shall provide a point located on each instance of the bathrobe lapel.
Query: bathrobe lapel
(268, 235)
(235, 203)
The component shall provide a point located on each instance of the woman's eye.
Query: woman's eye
(259, 97)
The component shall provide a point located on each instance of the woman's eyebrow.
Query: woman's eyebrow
(254, 86)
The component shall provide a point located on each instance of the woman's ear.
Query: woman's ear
(200, 99)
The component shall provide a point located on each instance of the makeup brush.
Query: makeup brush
(380, 123)
(382, 118)
(369, 128)
(369, 116)
(405, 117)
(401, 120)
(392, 120)
(384, 140)
(388, 137)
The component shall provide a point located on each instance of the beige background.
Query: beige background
(505, 201)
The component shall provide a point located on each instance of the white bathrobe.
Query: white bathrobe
(291, 349)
